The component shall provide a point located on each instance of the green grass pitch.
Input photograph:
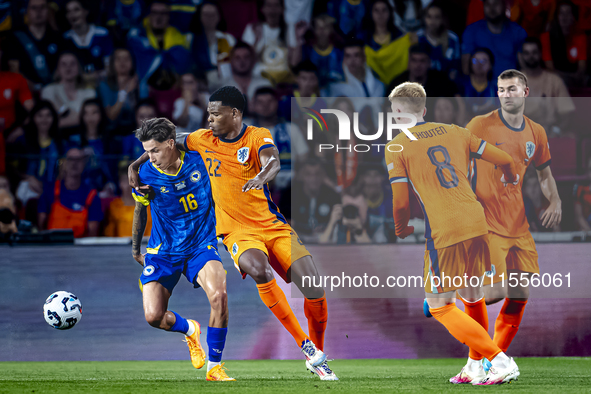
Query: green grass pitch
(538, 375)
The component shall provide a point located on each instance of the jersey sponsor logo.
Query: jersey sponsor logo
(149, 270)
(530, 148)
(180, 185)
(195, 176)
(234, 249)
(163, 189)
(242, 154)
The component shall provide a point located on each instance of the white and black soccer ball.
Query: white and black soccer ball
(62, 310)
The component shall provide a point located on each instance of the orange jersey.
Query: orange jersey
(436, 166)
(503, 206)
(120, 219)
(230, 164)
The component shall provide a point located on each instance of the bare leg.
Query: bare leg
(212, 278)
(156, 298)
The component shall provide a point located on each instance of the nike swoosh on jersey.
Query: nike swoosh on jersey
(209, 151)
(496, 143)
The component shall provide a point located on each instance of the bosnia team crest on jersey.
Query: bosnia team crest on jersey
(195, 176)
(530, 148)
(149, 270)
(242, 155)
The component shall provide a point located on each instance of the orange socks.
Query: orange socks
(466, 330)
(275, 299)
(317, 314)
(477, 311)
(507, 323)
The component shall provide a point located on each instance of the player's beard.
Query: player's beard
(517, 106)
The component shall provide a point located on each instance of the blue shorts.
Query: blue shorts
(166, 269)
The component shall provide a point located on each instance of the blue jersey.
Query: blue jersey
(448, 62)
(329, 63)
(93, 53)
(504, 45)
(183, 214)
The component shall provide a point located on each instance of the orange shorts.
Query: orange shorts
(450, 268)
(511, 254)
(280, 243)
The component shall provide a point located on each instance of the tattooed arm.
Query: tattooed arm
(140, 218)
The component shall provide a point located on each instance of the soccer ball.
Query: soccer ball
(62, 310)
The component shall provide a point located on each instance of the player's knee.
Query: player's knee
(313, 293)
(219, 300)
(495, 293)
(519, 293)
(154, 318)
(491, 301)
(261, 273)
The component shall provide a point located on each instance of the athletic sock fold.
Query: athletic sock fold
(180, 324)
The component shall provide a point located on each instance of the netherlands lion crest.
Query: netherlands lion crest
(530, 148)
(242, 155)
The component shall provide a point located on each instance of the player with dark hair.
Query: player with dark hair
(183, 241)
(241, 160)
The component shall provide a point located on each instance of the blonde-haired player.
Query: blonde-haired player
(435, 165)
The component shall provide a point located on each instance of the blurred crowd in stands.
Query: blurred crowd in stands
(78, 77)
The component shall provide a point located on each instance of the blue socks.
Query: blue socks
(180, 325)
(216, 339)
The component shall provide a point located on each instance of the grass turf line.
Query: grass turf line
(538, 375)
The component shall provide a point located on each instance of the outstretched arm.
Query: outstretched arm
(133, 174)
(553, 214)
(140, 218)
(270, 167)
(502, 159)
(401, 209)
(180, 140)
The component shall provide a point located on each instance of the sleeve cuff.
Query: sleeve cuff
(542, 166)
(265, 147)
(398, 179)
(141, 199)
(478, 153)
